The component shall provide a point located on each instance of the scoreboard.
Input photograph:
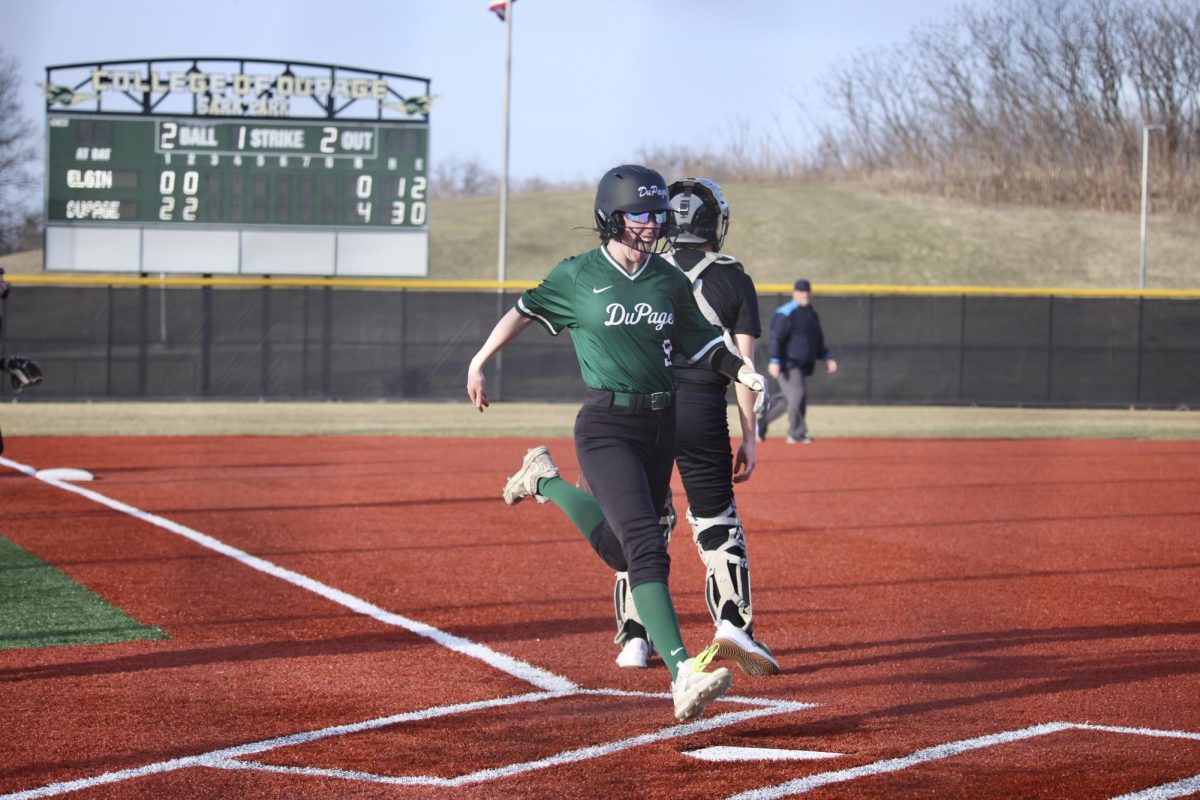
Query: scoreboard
(253, 194)
(179, 171)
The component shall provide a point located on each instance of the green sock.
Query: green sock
(654, 606)
(652, 600)
(578, 505)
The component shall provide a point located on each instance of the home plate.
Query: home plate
(64, 474)
(757, 754)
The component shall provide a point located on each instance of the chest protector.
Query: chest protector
(694, 276)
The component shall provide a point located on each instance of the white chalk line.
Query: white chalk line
(253, 748)
(542, 679)
(572, 756)
(938, 752)
(231, 757)
(1183, 788)
(555, 686)
(1139, 731)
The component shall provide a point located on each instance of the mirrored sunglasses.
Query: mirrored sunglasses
(658, 217)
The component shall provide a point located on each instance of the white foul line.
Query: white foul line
(807, 784)
(217, 757)
(801, 785)
(1139, 731)
(1166, 791)
(769, 708)
(230, 757)
(542, 679)
(555, 686)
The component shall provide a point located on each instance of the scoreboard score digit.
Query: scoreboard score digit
(242, 172)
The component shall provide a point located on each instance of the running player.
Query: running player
(709, 468)
(629, 312)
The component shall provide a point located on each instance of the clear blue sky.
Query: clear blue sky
(594, 81)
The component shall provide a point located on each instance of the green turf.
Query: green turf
(42, 607)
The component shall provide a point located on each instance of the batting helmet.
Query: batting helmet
(701, 212)
(629, 188)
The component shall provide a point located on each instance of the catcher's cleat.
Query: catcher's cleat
(693, 688)
(752, 656)
(537, 465)
(635, 654)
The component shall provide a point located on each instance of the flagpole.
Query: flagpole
(502, 269)
(502, 265)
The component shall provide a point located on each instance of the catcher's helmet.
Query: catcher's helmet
(629, 187)
(701, 212)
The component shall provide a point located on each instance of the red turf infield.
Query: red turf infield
(918, 592)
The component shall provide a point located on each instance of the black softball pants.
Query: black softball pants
(626, 454)
(702, 448)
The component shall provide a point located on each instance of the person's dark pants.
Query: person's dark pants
(792, 384)
(626, 454)
(702, 448)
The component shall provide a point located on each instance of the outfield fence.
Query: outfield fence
(236, 339)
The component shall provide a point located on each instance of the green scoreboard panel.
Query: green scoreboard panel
(187, 171)
(236, 166)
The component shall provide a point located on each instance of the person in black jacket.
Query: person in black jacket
(795, 344)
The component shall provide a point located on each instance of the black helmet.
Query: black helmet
(629, 187)
(701, 212)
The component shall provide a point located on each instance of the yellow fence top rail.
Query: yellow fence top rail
(183, 281)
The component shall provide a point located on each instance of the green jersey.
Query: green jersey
(625, 328)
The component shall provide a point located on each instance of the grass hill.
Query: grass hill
(836, 233)
(848, 234)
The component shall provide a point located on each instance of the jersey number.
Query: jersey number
(667, 350)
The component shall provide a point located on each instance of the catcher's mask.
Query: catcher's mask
(701, 212)
(632, 189)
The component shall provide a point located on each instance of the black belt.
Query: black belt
(656, 401)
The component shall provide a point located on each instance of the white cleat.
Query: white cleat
(537, 465)
(752, 656)
(693, 688)
(635, 654)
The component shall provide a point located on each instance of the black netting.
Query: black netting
(345, 344)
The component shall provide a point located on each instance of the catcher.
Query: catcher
(707, 463)
(21, 371)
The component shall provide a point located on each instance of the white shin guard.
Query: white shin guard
(727, 573)
(624, 607)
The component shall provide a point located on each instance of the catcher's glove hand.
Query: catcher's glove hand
(756, 383)
(23, 371)
(762, 404)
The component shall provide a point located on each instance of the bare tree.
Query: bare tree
(18, 152)
(463, 177)
(1029, 101)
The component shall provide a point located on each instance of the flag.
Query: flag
(499, 7)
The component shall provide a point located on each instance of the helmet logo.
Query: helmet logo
(650, 191)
